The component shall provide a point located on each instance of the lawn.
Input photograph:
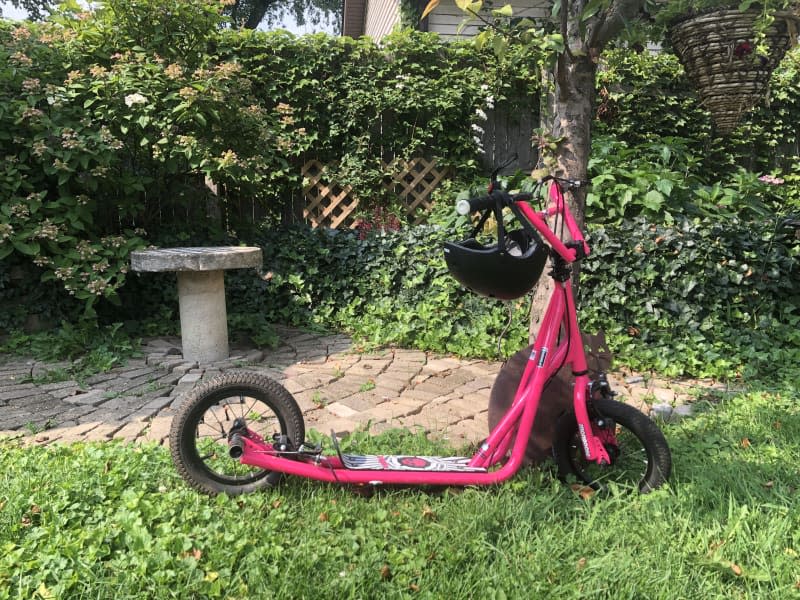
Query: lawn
(115, 521)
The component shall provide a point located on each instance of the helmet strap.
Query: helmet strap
(501, 229)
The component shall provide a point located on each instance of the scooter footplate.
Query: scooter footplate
(402, 462)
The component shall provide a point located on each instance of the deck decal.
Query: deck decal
(401, 462)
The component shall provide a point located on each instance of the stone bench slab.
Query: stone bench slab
(196, 259)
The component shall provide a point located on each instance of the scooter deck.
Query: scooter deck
(402, 462)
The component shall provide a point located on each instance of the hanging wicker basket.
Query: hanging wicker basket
(717, 50)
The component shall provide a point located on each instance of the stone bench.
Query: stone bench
(201, 292)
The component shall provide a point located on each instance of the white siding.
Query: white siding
(382, 16)
(447, 16)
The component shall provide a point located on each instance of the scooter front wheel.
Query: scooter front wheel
(640, 456)
(198, 437)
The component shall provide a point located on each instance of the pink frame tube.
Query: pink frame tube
(513, 430)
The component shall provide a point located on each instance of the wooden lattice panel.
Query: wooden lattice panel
(414, 182)
(328, 203)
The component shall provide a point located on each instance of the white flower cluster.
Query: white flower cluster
(480, 114)
(136, 98)
(5, 231)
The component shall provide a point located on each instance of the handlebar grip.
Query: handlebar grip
(465, 207)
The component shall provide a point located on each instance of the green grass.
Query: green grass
(114, 521)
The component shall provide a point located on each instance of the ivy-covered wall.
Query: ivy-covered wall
(112, 121)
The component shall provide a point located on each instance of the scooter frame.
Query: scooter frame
(558, 343)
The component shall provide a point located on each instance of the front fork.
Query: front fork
(594, 434)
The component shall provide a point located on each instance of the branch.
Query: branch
(616, 17)
(257, 13)
(565, 28)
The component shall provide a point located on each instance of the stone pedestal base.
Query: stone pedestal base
(204, 325)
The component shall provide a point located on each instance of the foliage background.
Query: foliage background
(112, 121)
(112, 124)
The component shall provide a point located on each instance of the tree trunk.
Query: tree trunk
(248, 15)
(573, 104)
(572, 110)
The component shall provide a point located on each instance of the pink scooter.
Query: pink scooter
(240, 431)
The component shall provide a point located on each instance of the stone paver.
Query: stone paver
(336, 388)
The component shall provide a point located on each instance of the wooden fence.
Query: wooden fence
(332, 204)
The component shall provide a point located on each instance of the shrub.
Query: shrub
(112, 121)
(704, 297)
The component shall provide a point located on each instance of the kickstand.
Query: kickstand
(336, 445)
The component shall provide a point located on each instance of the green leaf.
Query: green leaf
(592, 8)
(482, 38)
(555, 42)
(653, 200)
(499, 45)
(31, 248)
(506, 11)
(469, 7)
(664, 186)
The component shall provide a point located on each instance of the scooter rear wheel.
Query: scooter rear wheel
(198, 437)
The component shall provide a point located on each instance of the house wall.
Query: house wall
(447, 16)
(381, 18)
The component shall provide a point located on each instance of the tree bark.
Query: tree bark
(573, 108)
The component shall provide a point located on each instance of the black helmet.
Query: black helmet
(504, 273)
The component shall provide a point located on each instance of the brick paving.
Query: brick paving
(336, 387)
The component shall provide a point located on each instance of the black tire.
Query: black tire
(198, 438)
(641, 459)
